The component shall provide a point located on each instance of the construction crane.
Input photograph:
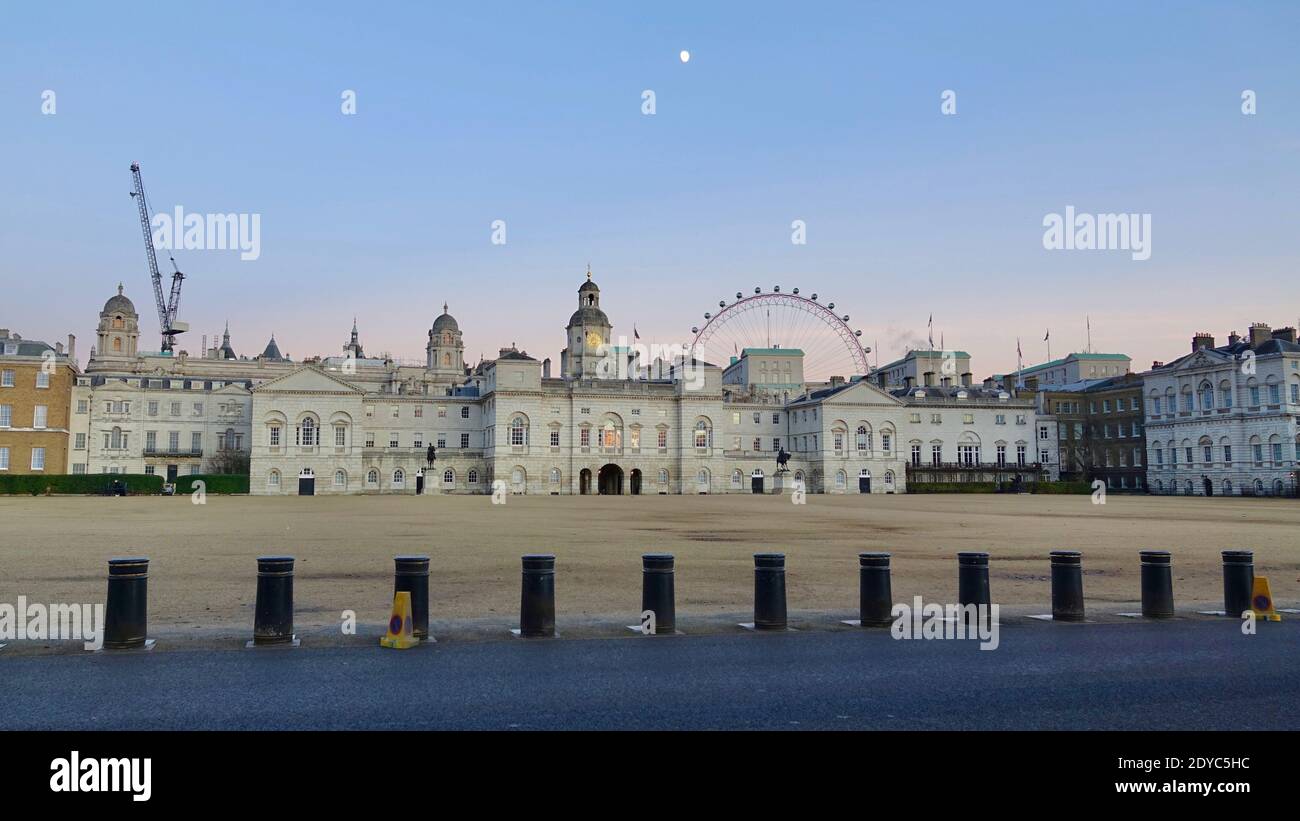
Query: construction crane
(166, 310)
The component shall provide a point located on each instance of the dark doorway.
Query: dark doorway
(611, 480)
(864, 484)
(171, 474)
(419, 483)
(635, 484)
(306, 484)
(584, 482)
(756, 483)
(1209, 486)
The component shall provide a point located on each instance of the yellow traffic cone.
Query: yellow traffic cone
(400, 635)
(1261, 600)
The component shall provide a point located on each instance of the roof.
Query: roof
(772, 351)
(272, 351)
(931, 354)
(1235, 350)
(119, 303)
(588, 315)
(445, 322)
(518, 356)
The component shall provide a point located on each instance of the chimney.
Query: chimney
(967, 379)
(546, 368)
(929, 378)
(72, 348)
(1201, 340)
(1156, 363)
(58, 349)
(1234, 338)
(4, 333)
(1259, 334)
(837, 381)
(909, 382)
(1286, 334)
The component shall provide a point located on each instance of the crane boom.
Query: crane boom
(166, 309)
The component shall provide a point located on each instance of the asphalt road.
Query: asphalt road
(1186, 674)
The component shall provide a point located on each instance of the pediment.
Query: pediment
(307, 380)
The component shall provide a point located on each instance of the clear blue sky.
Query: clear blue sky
(531, 113)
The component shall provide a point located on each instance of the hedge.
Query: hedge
(80, 483)
(213, 483)
(992, 487)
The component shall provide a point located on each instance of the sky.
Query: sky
(532, 114)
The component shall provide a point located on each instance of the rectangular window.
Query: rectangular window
(442, 411)
(758, 444)
(6, 379)
(758, 417)
(1275, 394)
(776, 419)
(1002, 456)
(81, 441)
(442, 440)
(1277, 453)
(176, 409)
(916, 455)
(198, 408)
(275, 436)
(419, 411)
(776, 443)
(1254, 397)
(397, 412)
(4, 458)
(584, 437)
(173, 441)
(968, 418)
(6, 416)
(1227, 454)
(196, 442)
(370, 440)
(1208, 454)
(38, 458)
(464, 411)
(80, 468)
(555, 438)
(936, 455)
(340, 436)
(464, 441)
(419, 440)
(392, 441)
(42, 379)
(39, 414)
(82, 406)
(1020, 455)
(1258, 453)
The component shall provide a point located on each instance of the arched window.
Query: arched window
(737, 479)
(118, 324)
(841, 480)
(702, 434)
(518, 431)
(702, 481)
(117, 343)
(372, 478)
(555, 476)
(307, 433)
(399, 478)
(1207, 396)
(273, 478)
(473, 476)
(340, 479)
(863, 439)
(446, 359)
(449, 477)
(663, 477)
(1227, 487)
(519, 479)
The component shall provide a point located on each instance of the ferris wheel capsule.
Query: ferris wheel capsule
(776, 289)
(758, 290)
(796, 291)
(694, 330)
(830, 305)
(739, 295)
(722, 303)
(707, 315)
(857, 333)
(814, 297)
(846, 317)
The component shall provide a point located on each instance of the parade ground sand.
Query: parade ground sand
(203, 569)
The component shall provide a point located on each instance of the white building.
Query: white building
(1224, 419)
(357, 424)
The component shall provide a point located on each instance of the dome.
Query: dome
(445, 323)
(588, 286)
(119, 304)
(588, 315)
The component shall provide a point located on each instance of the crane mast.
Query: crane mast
(166, 309)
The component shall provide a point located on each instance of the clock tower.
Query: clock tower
(587, 334)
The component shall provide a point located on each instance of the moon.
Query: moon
(686, 56)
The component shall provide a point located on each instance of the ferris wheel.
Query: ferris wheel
(783, 320)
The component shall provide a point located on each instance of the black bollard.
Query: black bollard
(126, 614)
(273, 612)
(1157, 584)
(1238, 581)
(769, 591)
(973, 583)
(1067, 585)
(537, 600)
(875, 593)
(657, 590)
(411, 575)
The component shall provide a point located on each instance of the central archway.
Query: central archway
(636, 482)
(611, 480)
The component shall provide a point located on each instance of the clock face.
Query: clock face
(593, 339)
